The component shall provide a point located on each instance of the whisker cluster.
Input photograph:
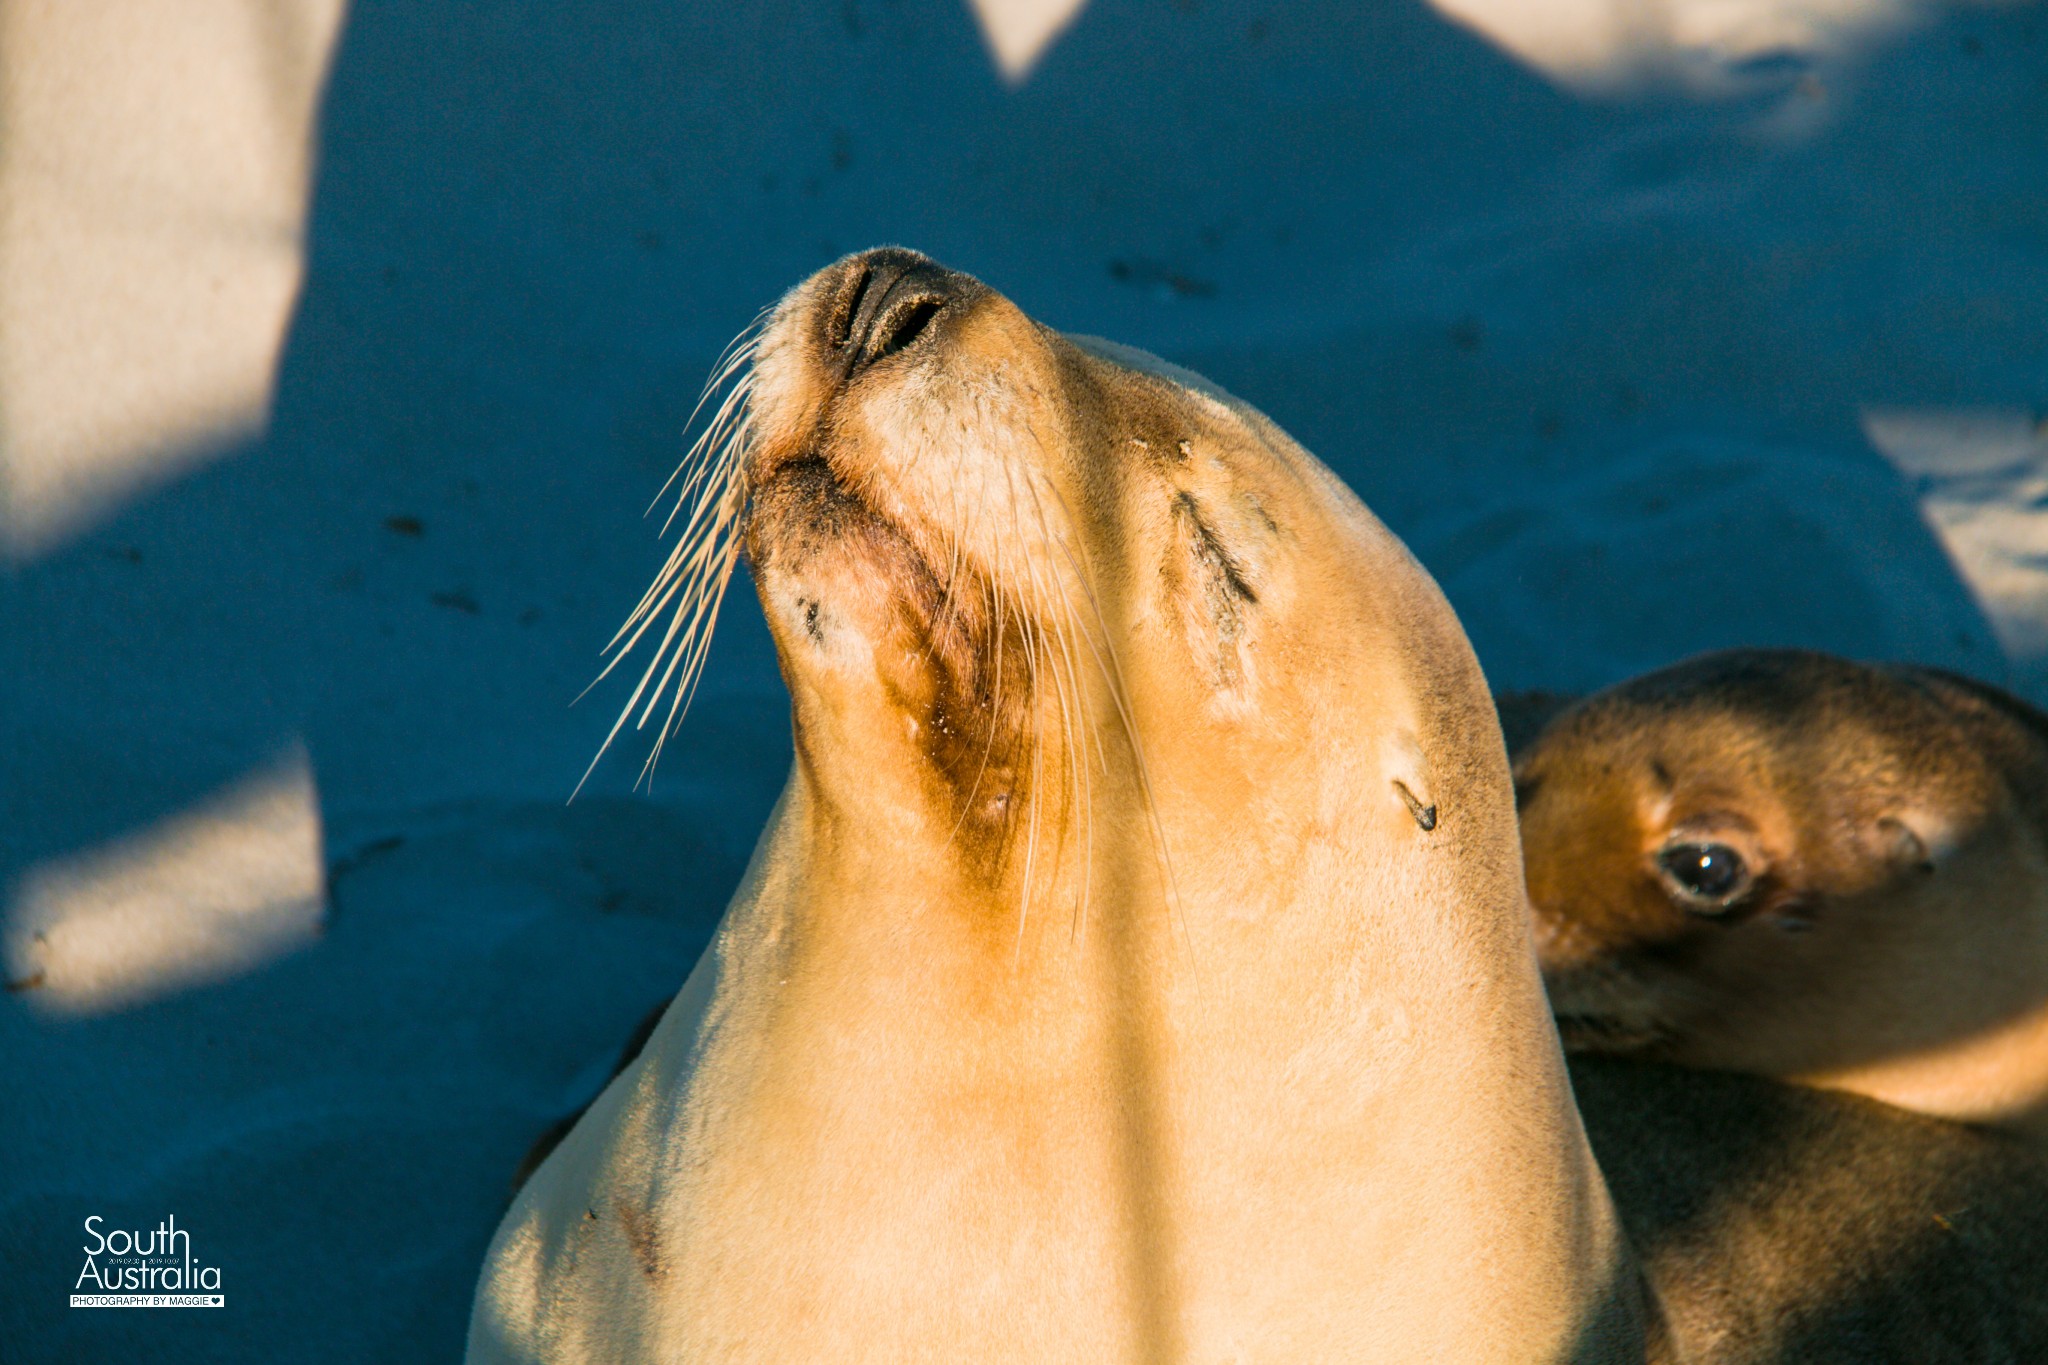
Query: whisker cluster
(711, 483)
(710, 492)
(1102, 653)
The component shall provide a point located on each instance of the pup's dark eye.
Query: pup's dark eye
(1708, 878)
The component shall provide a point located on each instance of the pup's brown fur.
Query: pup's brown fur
(1783, 1224)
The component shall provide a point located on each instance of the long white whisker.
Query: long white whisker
(1034, 697)
(723, 436)
(721, 471)
(691, 584)
(737, 352)
(1065, 686)
(1073, 701)
(685, 573)
(1112, 666)
(707, 582)
(998, 614)
(686, 689)
(1066, 679)
(988, 748)
(697, 632)
(1037, 782)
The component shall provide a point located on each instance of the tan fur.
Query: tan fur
(1135, 966)
(1895, 940)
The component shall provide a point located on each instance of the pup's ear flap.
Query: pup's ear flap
(1911, 839)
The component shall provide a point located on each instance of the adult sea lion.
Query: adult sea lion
(1136, 965)
(1796, 865)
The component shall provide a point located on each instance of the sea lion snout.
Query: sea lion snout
(884, 301)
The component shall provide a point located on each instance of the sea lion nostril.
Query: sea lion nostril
(886, 300)
(904, 324)
(839, 327)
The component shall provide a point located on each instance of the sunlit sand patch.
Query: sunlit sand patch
(153, 185)
(1595, 44)
(209, 893)
(1018, 32)
(1982, 480)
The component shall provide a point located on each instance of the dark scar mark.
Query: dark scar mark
(1211, 552)
(642, 1239)
(811, 626)
(1259, 508)
(1224, 590)
(1425, 816)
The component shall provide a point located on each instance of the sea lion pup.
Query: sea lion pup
(1135, 965)
(1795, 865)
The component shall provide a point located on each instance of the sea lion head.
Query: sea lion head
(1034, 593)
(1771, 861)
